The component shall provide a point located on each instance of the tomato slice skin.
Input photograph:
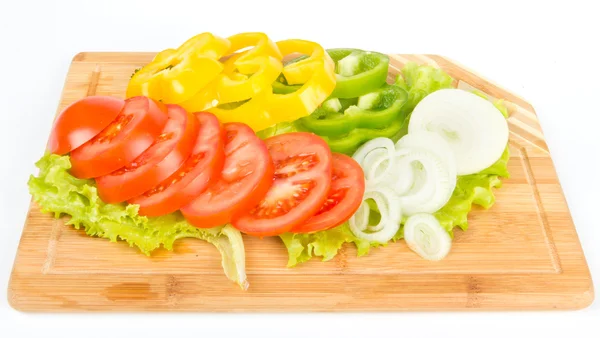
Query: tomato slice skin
(344, 197)
(168, 152)
(81, 121)
(202, 167)
(301, 183)
(122, 141)
(246, 177)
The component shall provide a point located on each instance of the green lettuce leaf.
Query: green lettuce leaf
(420, 81)
(324, 244)
(56, 191)
(473, 189)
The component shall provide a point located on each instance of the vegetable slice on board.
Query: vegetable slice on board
(374, 110)
(202, 167)
(168, 152)
(475, 130)
(431, 185)
(246, 177)
(388, 204)
(301, 183)
(344, 198)
(425, 236)
(81, 121)
(122, 141)
(358, 72)
(376, 157)
(433, 142)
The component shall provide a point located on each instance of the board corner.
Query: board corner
(81, 56)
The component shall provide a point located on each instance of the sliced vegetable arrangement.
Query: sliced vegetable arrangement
(220, 137)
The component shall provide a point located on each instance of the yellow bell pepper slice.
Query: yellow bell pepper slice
(317, 75)
(201, 101)
(174, 76)
(252, 112)
(250, 72)
(263, 46)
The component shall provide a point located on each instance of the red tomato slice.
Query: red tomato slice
(164, 157)
(245, 179)
(344, 198)
(201, 168)
(81, 121)
(302, 180)
(122, 141)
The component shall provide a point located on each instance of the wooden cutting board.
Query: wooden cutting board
(523, 253)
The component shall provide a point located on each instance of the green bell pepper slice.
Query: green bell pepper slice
(357, 72)
(349, 143)
(282, 88)
(375, 110)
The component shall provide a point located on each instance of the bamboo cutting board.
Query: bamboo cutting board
(523, 253)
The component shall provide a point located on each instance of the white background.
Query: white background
(545, 52)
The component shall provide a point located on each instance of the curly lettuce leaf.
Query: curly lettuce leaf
(324, 244)
(420, 81)
(58, 192)
(473, 189)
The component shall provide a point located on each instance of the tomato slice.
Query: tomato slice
(133, 131)
(164, 157)
(246, 177)
(301, 183)
(344, 198)
(81, 121)
(201, 168)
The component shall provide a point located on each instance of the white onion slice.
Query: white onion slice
(374, 154)
(389, 208)
(404, 178)
(425, 236)
(475, 130)
(433, 142)
(432, 184)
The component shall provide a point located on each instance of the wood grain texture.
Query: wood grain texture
(523, 253)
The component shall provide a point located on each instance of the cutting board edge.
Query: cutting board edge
(567, 299)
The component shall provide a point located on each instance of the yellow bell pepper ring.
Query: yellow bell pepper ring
(201, 101)
(174, 76)
(252, 112)
(236, 86)
(301, 72)
(261, 43)
(316, 75)
(250, 72)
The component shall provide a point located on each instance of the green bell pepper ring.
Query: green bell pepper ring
(374, 110)
(349, 143)
(358, 72)
(282, 88)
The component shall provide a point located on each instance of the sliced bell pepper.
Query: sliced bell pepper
(202, 100)
(251, 112)
(374, 110)
(350, 142)
(248, 73)
(358, 72)
(175, 75)
(315, 73)
(244, 75)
